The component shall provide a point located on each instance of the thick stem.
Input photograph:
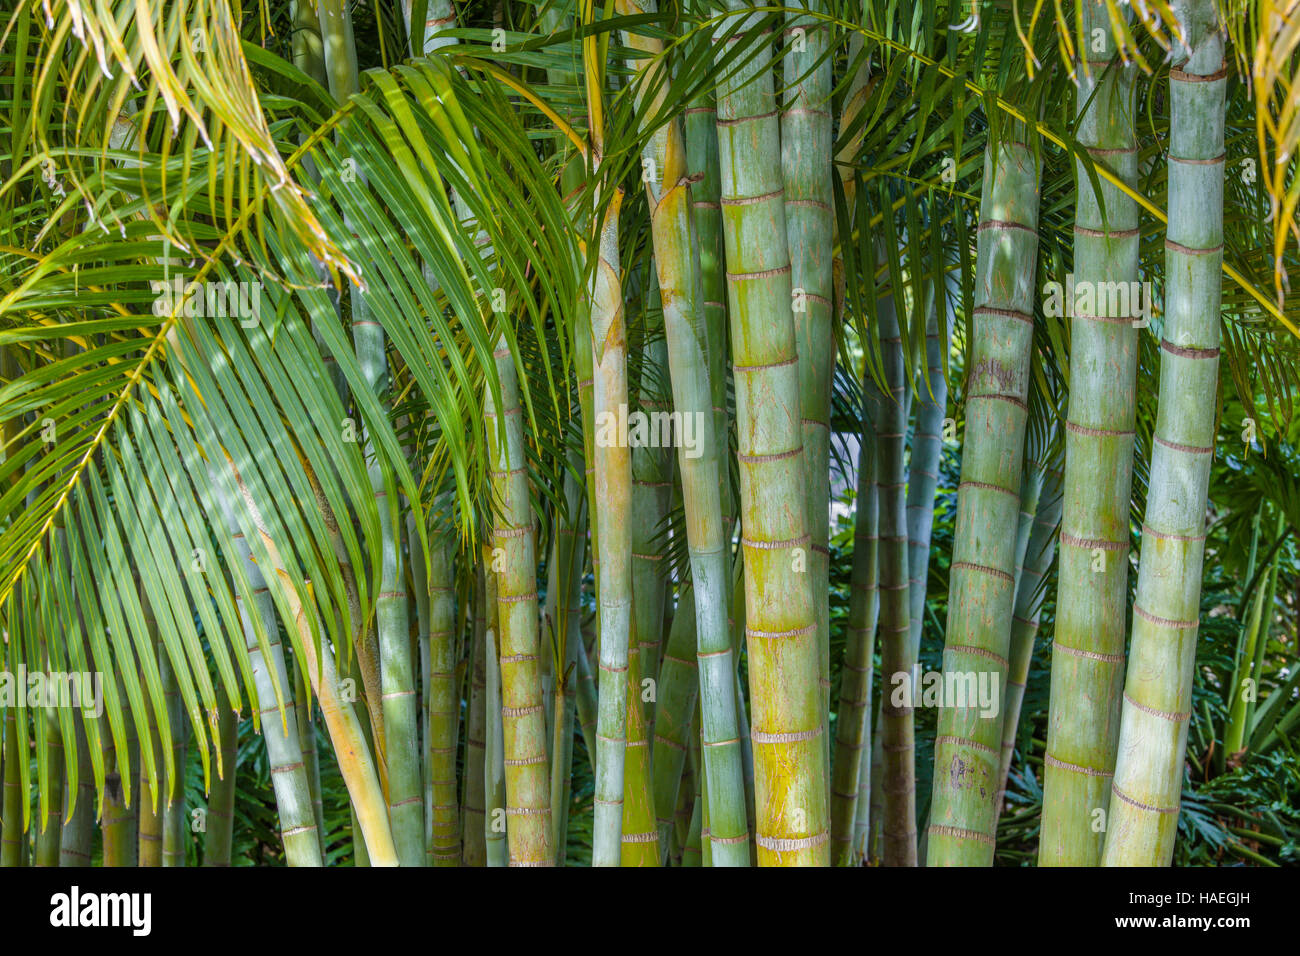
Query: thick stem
(221, 801)
(1088, 648)
(963, 810)
(528, 797)
(1147, 788)
(781, 621)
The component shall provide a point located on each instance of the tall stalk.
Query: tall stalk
(356, 764)
(400, 752)
(279, 731)
(12, 838)
(923, 465)
(963, 810)
(1157, 705)
(897, 731)
(221, 800)
(686, 328)
(473, 846)
(1088, 649)
(781, 621)
(806, 148)
(569, 557)
(528, 797)
(175, 830)
(117, 818)
(612, 476)
(151, 815)
(1040, 551)
(675, 701)
(651, 486)
(853, 712)
(79, 830)
(441, 705)
(496, 823)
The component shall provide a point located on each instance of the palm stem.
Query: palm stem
(527, 786)
(1143, 818)
(1088, 648)
(781, 621)
(967, 755)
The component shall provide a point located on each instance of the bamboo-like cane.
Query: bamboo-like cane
(1088, 647)
(967, 755)
(221, 801)
(1147, 788)
(781, 622)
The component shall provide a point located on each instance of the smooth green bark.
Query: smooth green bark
(791, 813)
(1147, 787)
(963, 811)
(1088, 649)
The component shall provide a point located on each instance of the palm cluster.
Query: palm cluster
(473, 390)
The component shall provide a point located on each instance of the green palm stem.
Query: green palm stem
(436, 606)
(304, 709)
(221, 799)
(400, 752)
(1088, 647)
(609, 481)
(686, 326)
(675, 698)
(781, 621)
(691, 854)
(442, 708)
(527, 784)
(963, 809)
(690, 794)
(355, 762)
(587, 700)
(1039, 552)
(613, 544)
(473, 845)
(651, 485)
(706, 834)
(600, 332)
(496, 823)
(806, 153)
(868, 808)
(442, 701)
(923, 467)
(310, 56)
(853, 711)
(175, 830)
(562, 757)
(640, 843)
(419, 581)
(898, 825)
(359, 855)
(396, 667)
(701, 132)
(1147, 787)
(569, 557)
(871, 801)
(12, 839)
(736, 623)
(271, 684)
(78, 833)
(117, 814)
